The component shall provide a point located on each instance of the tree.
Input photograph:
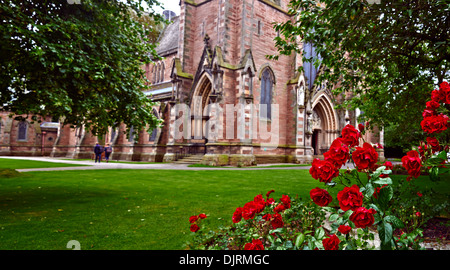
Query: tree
(78, 60)
(389, 56)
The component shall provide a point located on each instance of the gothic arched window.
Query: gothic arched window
(266, 91)
(310, 67)
(23, 130)
(154, 71)
(158, 74)
(154, 132)
(131, 134)
(161, 79)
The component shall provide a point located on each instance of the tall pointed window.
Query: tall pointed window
(131, 134)
(311, 67)
(23, 130)
(266, 92)
(154, 71)
(161, 77)
(154, 132)
(158, 74)
(114, 132)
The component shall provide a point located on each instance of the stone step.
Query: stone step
(194, 159)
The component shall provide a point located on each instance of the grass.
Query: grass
(127, 209)
(131, 209)
(31, 164)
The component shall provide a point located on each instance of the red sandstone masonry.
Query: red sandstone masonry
(235, 26)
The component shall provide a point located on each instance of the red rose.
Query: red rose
(427, 113)
(277, 221)
(363, 217)
(344, 229)
(194, 228)
(411, 162)
(434, 143)
(350, 136)
(280, 208)
(260, 203)
(269, 192)
(237, 215)
(331, 243)
(321, 197)
(323, 170)
(365, 157)
(350, 198)
(256, 244)
(193, 219)
(286, 200)
(249, 210)
(388, 165)
(434, 123)
(444, 90)
(432, 105)
(338, 153)
(437, 95)
(361, 127)
(202, 216)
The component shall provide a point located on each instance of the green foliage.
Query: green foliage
(389, 55)
(80, 62)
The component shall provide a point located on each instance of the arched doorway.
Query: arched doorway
(200, 115)
(324, 122)
(317, 132)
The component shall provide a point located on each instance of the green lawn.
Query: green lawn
(130, 209)
(30, 164)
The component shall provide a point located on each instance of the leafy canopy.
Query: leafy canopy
(78, 60)
(388, 56)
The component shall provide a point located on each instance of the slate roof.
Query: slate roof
(168, 41)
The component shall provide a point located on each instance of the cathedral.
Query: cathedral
(220, 97)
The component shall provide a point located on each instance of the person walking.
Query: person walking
(98, 153)
(108, 150)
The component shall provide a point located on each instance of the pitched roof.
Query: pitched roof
(168, 41)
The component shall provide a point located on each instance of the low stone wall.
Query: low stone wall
(238, 160)
(265, 159)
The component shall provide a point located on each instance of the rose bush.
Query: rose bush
(285, 223)
(365, 204)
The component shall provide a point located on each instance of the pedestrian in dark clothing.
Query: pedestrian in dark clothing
(108, 150)
(98, 153)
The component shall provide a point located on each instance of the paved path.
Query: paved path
(91, 165)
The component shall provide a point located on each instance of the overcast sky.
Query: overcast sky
(171, 5)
